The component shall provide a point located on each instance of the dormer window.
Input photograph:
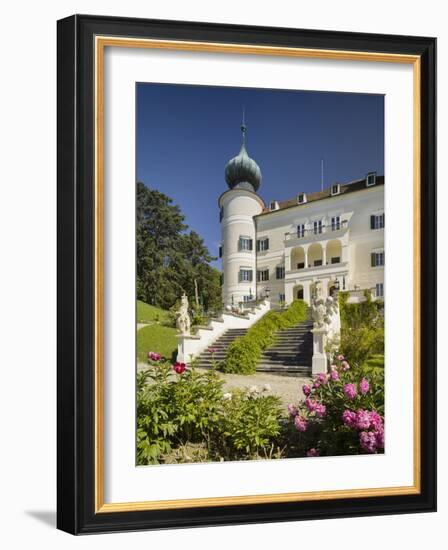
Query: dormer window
(370, 179)
(335, 189)
(273, 205)
(301, 198)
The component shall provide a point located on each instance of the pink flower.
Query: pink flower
(334, 367)
(363, 419)
(379, 438)
(306, 389)
(345, 366)
(300, 423)
(154, 356)
(367, 440)
(320, 409)
(321, 378)
(364, 386)
(292, 410)
(349, 418)
(179, 368)
(212, 350)
(376, 421)
(340, 357)
(350, 391)
(334, 375)
(310, 404)
(312, 452)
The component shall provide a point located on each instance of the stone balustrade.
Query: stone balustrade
(190, 346)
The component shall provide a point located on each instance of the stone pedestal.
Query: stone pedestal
(320, 361)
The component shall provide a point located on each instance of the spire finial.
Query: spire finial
(243, 126)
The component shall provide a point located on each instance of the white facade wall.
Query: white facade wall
(352, 244)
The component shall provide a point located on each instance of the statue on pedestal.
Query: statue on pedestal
(318, 308)
(183, 322)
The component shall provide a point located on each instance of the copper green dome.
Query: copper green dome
(242, 172)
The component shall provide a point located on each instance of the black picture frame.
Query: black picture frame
(76, 262)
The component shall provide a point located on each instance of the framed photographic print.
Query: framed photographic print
(246, 267)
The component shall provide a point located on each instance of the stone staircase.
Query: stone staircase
(292, 351)
(204, 360)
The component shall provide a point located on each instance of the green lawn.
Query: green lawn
(147, 313)
(156, 338)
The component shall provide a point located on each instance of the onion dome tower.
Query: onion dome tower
(238, 206)
(242, 172)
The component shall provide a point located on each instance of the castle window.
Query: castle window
(301, 230)
(377, 258)
(273, 205)
(220, 251)
(379, 290)
(336, 223)
(244, 243)
(370, 179)
(245, 275)
(317, 227)
(317, 263)
(301, 265)
(280, 272)
(301, 198)
(377, 221)
(335, 189)
(336, 260)
(281, 297)
(247, 299)
(263, 275)
(263, 244)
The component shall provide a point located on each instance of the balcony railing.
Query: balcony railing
(336, 267)
(303, 233)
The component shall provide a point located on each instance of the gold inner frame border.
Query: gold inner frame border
(101, 42)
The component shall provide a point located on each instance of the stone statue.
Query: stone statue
(319, 313)
(183, 322)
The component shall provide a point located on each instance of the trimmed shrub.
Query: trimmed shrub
(244, 353)
(362, 332)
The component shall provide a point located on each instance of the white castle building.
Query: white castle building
(280, 250)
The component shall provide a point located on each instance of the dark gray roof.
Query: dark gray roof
(350, 187)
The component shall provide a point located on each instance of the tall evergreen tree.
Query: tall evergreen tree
(170, 259)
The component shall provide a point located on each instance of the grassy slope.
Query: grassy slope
(147, 313)
(155, 337)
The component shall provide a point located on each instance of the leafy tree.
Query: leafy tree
(170, 259)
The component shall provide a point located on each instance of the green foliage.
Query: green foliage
(243, 353)
(156, 337)
(362, 328)
(186, 417)
(147, 313)
(250, 425)
(170, 259)
(174, 409)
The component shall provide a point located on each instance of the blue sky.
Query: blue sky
(186, 135)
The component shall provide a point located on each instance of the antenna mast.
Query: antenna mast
(322, 174)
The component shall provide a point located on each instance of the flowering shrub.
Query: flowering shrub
(175, 404)
(182, 412)
(341, 414)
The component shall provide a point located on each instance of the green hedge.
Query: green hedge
(244, 353)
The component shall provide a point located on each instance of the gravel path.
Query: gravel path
(287, 387)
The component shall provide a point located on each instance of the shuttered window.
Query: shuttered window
(377, 259)
(245, 275)
(244, 243)
(262, 244)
